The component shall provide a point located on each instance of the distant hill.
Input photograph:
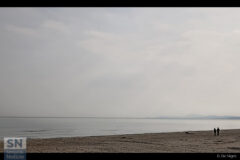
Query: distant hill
(198, 117)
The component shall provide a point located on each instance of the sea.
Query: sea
(80, 127)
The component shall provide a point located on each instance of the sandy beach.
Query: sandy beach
(180, 142)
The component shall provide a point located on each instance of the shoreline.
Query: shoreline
(165, 142)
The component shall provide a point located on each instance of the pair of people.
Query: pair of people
(216, 131)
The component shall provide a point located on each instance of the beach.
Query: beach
(172, 142)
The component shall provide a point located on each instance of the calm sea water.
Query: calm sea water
(69, 127)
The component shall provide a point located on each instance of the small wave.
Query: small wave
(109, 130)
(41, 130)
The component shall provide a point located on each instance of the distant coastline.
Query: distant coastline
(160, 117)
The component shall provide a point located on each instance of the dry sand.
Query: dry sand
(191, 142)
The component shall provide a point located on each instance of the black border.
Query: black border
(124, 156)
(119, 3)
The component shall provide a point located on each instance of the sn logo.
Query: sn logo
(14, 143)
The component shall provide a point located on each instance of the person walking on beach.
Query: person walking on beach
(215, 131)
(218, 130)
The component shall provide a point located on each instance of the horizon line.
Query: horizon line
(155, 117)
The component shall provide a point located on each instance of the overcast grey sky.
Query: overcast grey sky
(119, 61)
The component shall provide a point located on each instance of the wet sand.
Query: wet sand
(173, 142)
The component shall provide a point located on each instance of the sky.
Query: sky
(119, 62)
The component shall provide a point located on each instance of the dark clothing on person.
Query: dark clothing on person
(215, 131)
(218, 130)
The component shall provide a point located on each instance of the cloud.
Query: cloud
(119, 61)
(55, 25)
(25, 31)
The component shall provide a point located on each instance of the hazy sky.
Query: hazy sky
(119, 61)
